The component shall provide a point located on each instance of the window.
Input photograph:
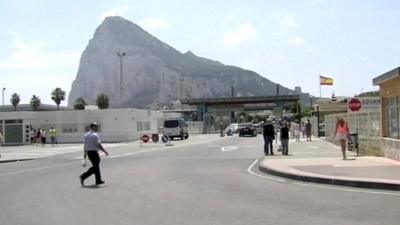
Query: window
(393, 117)
(69, 128)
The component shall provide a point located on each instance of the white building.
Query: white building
(115, 125)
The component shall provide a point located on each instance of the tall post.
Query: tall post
(317, 120)
(2, 95)
(181, 79)
(232, 90)
(277, 89)
(121, 72)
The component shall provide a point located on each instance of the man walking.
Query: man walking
(284, 134)
(308, 130)
(91, 147)
(269, 136)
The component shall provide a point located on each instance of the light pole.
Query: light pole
(2, 94)
(121, 71)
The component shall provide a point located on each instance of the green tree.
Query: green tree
(80, 104)
(369, 94)
(58, 95)
(102, 101)
(15, 99)
(35, 102)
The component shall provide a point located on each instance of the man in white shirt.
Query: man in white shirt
(91, 147)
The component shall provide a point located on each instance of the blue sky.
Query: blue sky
(290, 42)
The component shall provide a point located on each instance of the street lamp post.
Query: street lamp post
(2, 94)
(121, 71)
(317, 107)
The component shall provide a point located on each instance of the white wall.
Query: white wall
(116, 125)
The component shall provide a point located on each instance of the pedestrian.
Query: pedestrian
(269, 136)
(53, 136)
(308, 130)
(90, 149)
(297, 131)
(38, 136)
(43, 136)
(303, 130)
(341, 133)
(284, 136)
(291, 130)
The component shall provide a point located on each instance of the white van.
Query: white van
(176, 128)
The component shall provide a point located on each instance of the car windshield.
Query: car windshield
(171, 123)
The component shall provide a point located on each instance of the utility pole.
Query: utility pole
(181, 79)
(121, 72)
(2, 95)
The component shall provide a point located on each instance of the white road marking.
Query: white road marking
(265, 177)
(229, 148)
(318, 186)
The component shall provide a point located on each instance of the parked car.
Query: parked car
(247, 129)
(176, 128)
(231, 129)
(258, 127)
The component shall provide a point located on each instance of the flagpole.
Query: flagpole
(319, 82)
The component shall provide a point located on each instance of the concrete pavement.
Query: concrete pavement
(321, 162)
(30, 152)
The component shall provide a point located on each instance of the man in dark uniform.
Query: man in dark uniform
(269, 136)
(91, 147)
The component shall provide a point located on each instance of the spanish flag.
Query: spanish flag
(325, 80)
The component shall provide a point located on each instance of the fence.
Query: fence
(366, 124)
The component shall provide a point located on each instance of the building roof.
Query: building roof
(386, 76)
(242, 100)
(27, 107)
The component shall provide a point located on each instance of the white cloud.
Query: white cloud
(286, 19)
(243, 32)
(115, 12)
(296, 41)
(154, 24)
(289, 21)
(34, 56)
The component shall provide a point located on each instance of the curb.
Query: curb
(15, 160)
(332, 180)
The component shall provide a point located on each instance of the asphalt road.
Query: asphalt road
(194, 182)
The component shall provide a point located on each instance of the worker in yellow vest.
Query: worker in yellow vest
(53, 136)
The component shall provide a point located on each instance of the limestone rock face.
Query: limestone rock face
(153, 73)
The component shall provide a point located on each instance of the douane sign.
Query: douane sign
(354, 104)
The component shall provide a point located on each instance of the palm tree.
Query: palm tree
(35, 102)
(80, 104)
(15, 99)
(58, 95)
(102, 101)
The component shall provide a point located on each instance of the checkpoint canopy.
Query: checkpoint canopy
(274, 102)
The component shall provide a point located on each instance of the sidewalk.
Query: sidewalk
(321, 162)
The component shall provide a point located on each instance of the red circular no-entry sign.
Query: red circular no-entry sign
(354, 104)
(145, 138)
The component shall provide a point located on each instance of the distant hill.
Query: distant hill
(154, 73)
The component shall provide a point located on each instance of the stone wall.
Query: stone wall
(365, 124)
